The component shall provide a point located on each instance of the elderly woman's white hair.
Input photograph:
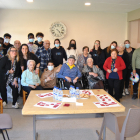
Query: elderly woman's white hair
(122, 45)
(29, 61)
(89, 59)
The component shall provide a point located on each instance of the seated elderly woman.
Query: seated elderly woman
(70, 73)
(29, 79)
(95, 75)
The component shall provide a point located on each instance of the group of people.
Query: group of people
(38, 66)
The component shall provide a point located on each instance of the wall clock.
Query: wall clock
(58, 30)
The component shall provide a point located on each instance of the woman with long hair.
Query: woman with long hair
(107, 50)
(98, 55)
(9, 72)
(25, 55)
(71, 50)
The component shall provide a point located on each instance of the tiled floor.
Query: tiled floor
(61, 129)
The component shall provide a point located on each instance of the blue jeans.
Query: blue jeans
(28, 89)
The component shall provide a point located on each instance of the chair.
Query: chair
(1, 106)
(123, 127)
(138, 89)
(5, 123)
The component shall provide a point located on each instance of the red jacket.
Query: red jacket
(119, 64)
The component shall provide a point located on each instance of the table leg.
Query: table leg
(104, 133)
(35, 135)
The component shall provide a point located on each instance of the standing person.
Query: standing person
(39, 41)
(32, 47)
(7, 44)
(124, 56)
(107, 50)
(113, 66)
(25, 55)
(71, 50)
(129, 50)
(17, 44)
(1, 47)
(82, 58)
(9, 71)
(44, 55)
(136, 69)
(58, 53)
(98, 55)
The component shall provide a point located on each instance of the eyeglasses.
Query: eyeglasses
(13, 50)
(96, 44)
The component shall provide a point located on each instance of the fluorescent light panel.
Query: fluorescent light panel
(87, 3)
(29, 0)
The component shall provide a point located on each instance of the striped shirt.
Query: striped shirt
(136, 59)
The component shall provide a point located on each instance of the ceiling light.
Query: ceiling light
(29, 0)
(87, 3)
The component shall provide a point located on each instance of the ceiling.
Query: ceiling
(121, 6)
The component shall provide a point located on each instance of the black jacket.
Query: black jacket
(32, 57)
(130, 58)
(6, 48)
(106, 53)
(98, 59)
(125, 59)
(58, 55)
(5, 65)
(39, 45)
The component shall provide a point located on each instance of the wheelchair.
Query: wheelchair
(60, 83)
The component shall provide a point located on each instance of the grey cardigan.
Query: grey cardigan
(95, 70)
(81, 61)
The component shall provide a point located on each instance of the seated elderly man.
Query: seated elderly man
(48, 78)
(70, 73)
(29, 79)
(94, 75)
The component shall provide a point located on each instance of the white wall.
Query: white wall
(84, 27)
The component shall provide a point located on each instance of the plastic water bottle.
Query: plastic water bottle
(70, 91)
(77, 92)
(60, 96)
(73, 92)
(54, 91)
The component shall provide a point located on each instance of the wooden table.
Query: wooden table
(1, 106)
(44, 113)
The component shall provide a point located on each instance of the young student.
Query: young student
(39, 41)
(7, 44)
(58, 53)
(32, 47)
(1, 47)
(98, 55)
(48, 78)
(71, 50)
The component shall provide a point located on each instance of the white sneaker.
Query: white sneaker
(4, 103)
(15, 106)
(123, 94)
(126, 91)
